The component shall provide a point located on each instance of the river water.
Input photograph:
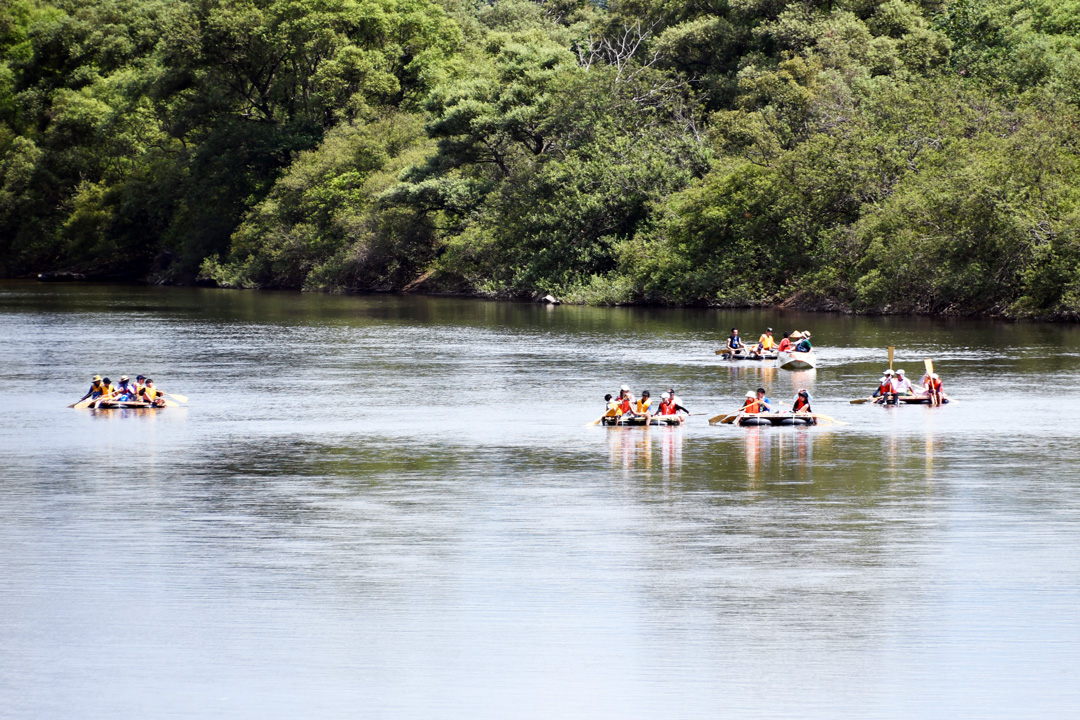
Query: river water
(391, 507)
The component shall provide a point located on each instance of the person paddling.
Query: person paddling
(676, 401)
(802, 404)
(934, 389)
(785, 343)
(752, 404)
(734, 342)
(97, 389)
(668, 406)
(886, 391)
(151, 394)
(902, 385)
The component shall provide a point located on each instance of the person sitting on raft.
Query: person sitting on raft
(886, 391)
(612, 407)
(125, 391)
(98, 388)
(932, 387)
(676, 401)
(734, 342)
(641, 407)
(752, 404)
(766, 403)
(785, 343)
(802, 402)
(149, 393)
(626, 401)
(765, 344)
(902, 385)
(668, 406)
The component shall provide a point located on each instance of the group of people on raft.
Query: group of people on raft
(796, 341)
(142, 390)
(625, 405)
(758, 402)
(894, 385)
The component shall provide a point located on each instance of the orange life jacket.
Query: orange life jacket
(667, 407)
(751, 406)
(624, 405)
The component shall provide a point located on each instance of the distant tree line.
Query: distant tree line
(870, 155)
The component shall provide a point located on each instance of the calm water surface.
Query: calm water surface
(390, 507)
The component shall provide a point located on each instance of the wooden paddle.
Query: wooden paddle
(178, 398)
(892, 350)
(860, 401)
(83, 403)
(826, 418)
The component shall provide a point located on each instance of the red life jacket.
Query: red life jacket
(935, 386)
(785, 344)
(801, 403)
(667, 407)
(885, 388)
(624, 405)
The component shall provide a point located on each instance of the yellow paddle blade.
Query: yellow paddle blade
(929, 366)
(170, 403)
(178, 398)
(892, 350)
(84, 404)
(718, 418)
(597, 421)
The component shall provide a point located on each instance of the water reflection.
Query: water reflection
(636, 448)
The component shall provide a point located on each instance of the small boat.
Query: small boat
(638, 421)
(791, 360)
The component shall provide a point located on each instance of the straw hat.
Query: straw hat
(796, 335)
(806, 333)
(97, 378)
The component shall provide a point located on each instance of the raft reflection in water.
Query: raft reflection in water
(636, 448)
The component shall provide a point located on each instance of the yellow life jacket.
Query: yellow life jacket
(613, 409)
(150, 393)
(642, 406)
(767, 342)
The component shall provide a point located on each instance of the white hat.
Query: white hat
(664, 396)
(899, 372)
(625, 388)
(934, 376)
(751, 394)
(889, 372)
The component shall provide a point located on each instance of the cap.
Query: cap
(934, 376)
(645, 393)
(664, 396)
(751, 394)
(889, 372)
(140, 377)
(97, 378)
(768, 329)
(625, 388)
(899, 372)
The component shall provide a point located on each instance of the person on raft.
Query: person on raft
(149, 393)
(888, 391)
(98, 387)
(753, 403)
(669, 406)
(802, 341)
(765, 344)
(932, 388)
(734, 342)
(766, 403)
(902, 385)
(641, 407)
(785, 343)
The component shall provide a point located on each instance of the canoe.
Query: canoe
(774, 419)
(790, 360)
(640, 421)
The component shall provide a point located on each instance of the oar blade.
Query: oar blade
(84, 404)
(178, 398)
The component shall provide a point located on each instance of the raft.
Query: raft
(640, 421)
(126, 405)
(767, 357)
(773, 420)
(790, 360)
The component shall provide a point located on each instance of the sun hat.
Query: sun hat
(97, 378)
(889, 372)
(123, 377)
(934, 376)
(751, 394)
(768, 329)
(796, 335)
(664, 396)
(806, 333)
(625, 388)
(899, 372)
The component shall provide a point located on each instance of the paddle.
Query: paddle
(860, 401)
(83, 403)
(178, 398)
(892, 349)
(826, 418)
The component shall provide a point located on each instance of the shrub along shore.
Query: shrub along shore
(862, 156)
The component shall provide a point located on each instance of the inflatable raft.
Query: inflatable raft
(640, 421)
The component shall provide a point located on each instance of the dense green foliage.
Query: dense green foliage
(873, 155)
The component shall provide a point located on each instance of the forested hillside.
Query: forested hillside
(877, 156)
